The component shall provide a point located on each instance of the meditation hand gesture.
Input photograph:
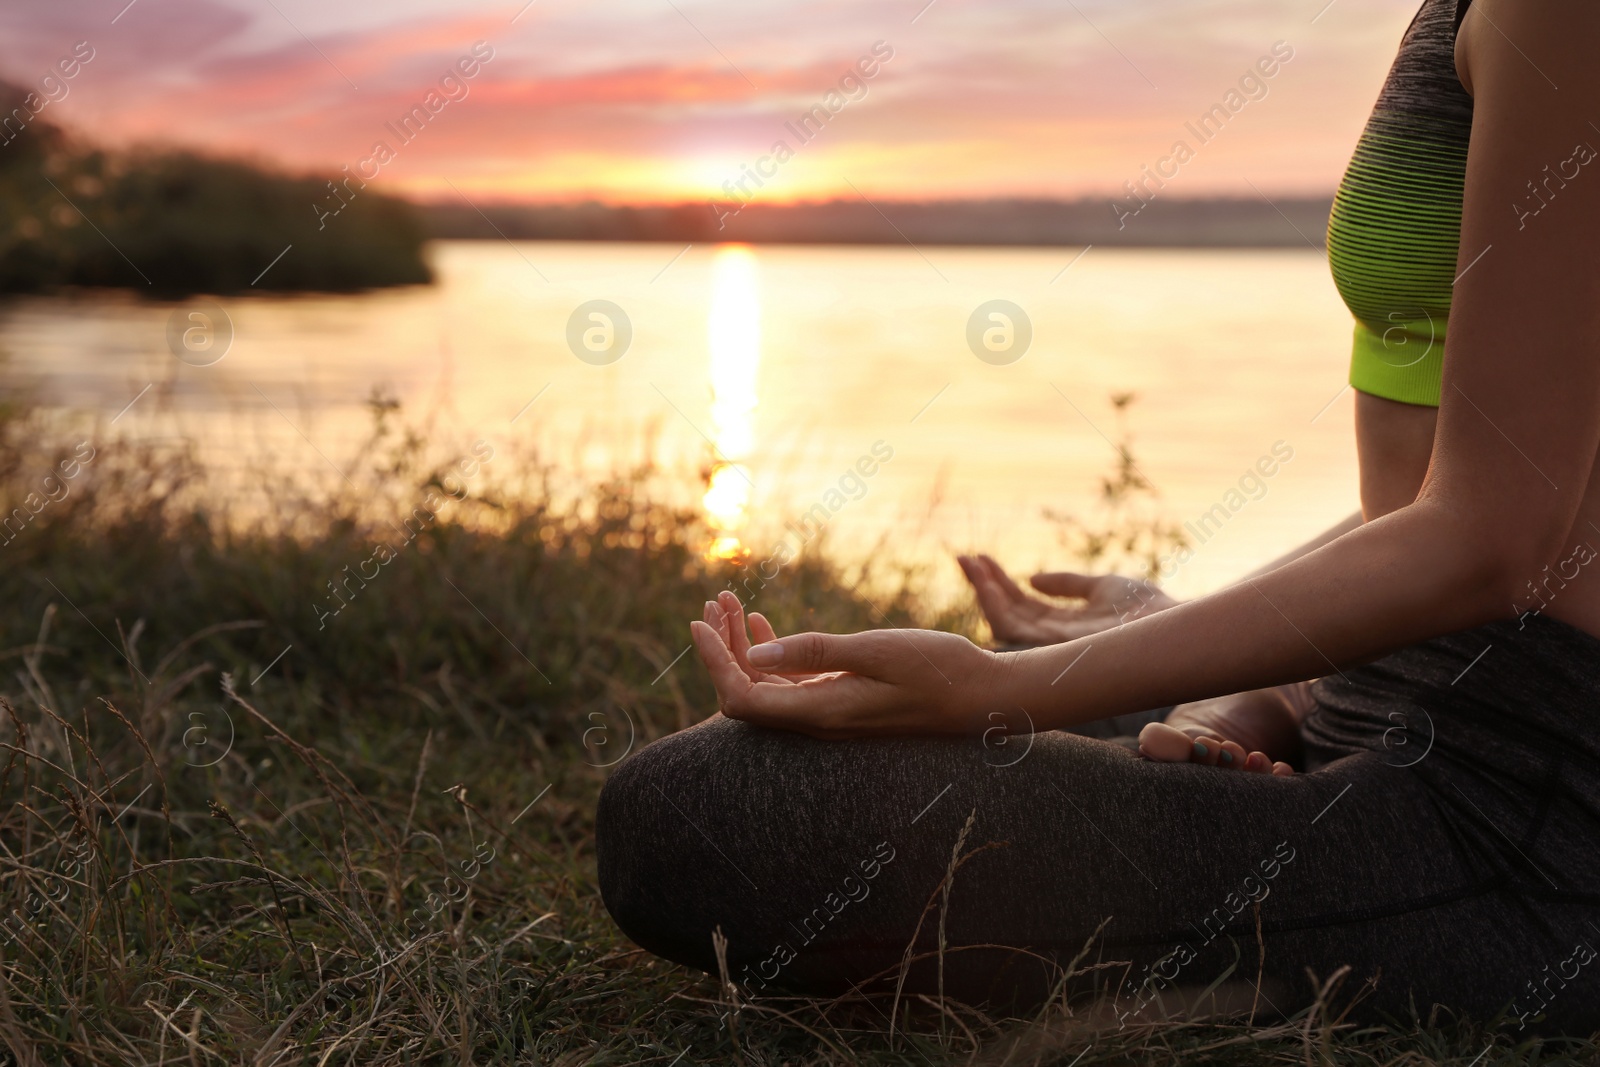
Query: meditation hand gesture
(1016, 617)
(832, 686)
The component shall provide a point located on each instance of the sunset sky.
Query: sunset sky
(665, 100)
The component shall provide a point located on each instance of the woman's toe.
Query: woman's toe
(1165, 744)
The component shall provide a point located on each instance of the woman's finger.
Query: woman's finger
(727, 676)
(761, 628)
(831, 706)
(1065, 583)
(1003, 581)
(1004, 605)
(976, 574)
(716, 618)
(997, 608)
(810, 653)
(762, 632)
(738, 637)
(708, 643)
(781, 707)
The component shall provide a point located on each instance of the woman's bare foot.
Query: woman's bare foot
(1257, 731)
(1167, 744)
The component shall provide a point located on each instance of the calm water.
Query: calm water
(780, 369)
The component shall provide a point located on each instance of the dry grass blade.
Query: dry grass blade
(330, 936)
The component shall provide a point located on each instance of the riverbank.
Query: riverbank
(242, 827)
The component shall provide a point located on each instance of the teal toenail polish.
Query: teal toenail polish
(1200, 750)
(1225, 756)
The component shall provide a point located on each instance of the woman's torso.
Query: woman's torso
(1393, 240)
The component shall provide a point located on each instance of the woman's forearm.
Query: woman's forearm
(1332, 533)
(1356, 598)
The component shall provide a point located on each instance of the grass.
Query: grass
(235, 828)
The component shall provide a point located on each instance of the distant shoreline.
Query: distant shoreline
(1220, 222)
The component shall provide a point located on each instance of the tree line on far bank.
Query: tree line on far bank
(169, 223)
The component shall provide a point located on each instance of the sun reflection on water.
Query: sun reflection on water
(735, 341)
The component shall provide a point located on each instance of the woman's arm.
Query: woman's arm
(1518, 425)
(1018, 617)
(1394, 442)
(1328, 536)
(1518, 428)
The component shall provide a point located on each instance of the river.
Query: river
(787, 373)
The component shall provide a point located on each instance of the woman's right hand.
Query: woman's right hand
(904, 683)
(1016, 617)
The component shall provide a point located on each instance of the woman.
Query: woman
(1442, 846)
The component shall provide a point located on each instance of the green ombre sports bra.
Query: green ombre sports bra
(1396, 221)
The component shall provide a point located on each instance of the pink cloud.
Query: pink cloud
(979, 97)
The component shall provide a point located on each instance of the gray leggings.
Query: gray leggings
(1445, 846)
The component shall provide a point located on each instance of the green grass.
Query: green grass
(237, 857)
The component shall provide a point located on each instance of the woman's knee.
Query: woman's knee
(626, 847)
(641, 844)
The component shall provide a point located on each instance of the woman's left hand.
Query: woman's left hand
(834, 686)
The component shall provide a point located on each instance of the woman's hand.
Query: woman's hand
(834, 686)
(1019, 618)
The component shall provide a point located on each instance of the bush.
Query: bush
(171, 223)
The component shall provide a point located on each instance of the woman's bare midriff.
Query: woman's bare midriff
(1394, 444)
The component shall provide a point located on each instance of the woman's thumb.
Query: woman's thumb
(1064, 583)
(803, 653)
